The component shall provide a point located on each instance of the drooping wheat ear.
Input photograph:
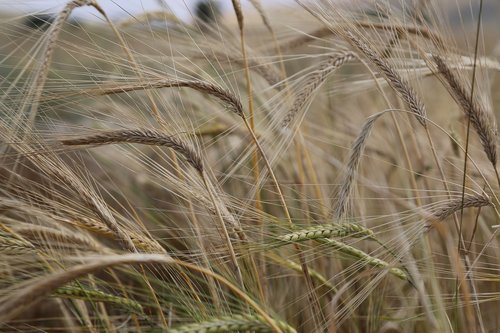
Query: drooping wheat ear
(12, 245)
(483, 121)
(395, 80)
(54, 32)
(88, 196)
(341, 206)
(79, 292)
(454, 205)
(41, 235)
(225, 96)
(141, 242)
(312, 83)
(326, 231)
(141, 136)
(365, 257)
(235, 323)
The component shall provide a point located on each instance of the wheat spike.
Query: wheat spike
(393, 78)
(482, 121)
(314, 81)
(327, 231)
(235, 323)
(142, 136)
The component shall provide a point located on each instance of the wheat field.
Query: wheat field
(323, 166)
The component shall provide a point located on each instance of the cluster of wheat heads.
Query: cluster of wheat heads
(331, 172)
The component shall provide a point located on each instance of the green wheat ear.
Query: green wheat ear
(78, 292)
(326, 231)
(236, 323)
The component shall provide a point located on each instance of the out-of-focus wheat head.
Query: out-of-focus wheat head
(325, 166)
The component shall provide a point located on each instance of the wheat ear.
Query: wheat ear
(341, 205)
(78, 292)
(224, 96)
(483, 122)
(141, 136)
(42, 72)
(455, 205)
(326, 231)
(314, 80)
(395, 80)
(366, 258)
(234, 323)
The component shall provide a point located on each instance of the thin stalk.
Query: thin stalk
(255, 155)
(473, 83)
(310, 284)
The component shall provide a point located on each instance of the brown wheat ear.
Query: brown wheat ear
(342, 204)
(141, 136)
(483, 122)
(454, 205)
(395, 80)
(314, 81)
(205, 87)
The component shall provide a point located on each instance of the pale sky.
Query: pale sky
(114, 8)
